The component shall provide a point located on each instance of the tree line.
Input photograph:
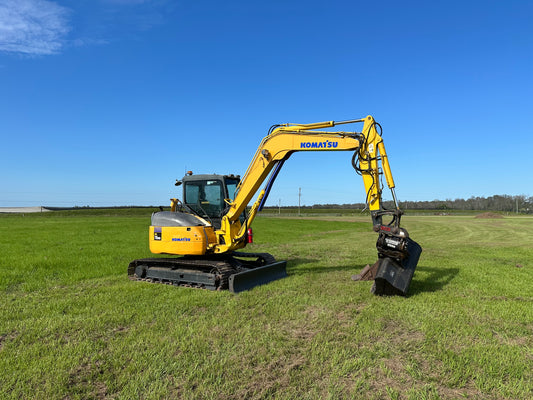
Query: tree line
(502, 203)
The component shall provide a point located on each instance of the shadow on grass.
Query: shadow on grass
(294, 267)
(426, 279)
(432, 280)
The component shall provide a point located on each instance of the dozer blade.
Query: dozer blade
(248, 279)
(393, 276)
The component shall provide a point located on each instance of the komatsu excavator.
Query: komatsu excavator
(212, 222)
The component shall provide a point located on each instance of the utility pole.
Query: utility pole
(299, 199)
(279, 207)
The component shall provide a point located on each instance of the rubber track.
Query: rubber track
(224, 265)
(223, 270)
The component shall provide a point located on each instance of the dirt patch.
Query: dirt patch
(489, 215)
(85, 380)
(398, 336)
(402, 375)
(272, 378)
(305, 330)
(8, 336)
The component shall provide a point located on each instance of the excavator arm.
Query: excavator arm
(284, 140)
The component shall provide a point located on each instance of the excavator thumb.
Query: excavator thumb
(398, 257)
(393, 275)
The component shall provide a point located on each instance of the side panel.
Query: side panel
(180, 240)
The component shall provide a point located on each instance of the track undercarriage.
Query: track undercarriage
(235, 271)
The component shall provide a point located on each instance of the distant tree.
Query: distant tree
(503, 203)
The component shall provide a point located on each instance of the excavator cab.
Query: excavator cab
(205, 195)
(188, 231)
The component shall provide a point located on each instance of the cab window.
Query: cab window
(231, 184)
(205, 197)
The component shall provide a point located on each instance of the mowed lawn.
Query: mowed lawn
(73, 326)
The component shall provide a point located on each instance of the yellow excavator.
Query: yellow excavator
(212, 221)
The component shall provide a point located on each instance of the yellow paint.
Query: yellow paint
(181, 240)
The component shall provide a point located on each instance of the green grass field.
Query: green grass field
(73, 326)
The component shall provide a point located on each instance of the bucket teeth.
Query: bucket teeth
(368, 273)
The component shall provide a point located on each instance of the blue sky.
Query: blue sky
(107, 102)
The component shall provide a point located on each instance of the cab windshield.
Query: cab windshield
(205, 197)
